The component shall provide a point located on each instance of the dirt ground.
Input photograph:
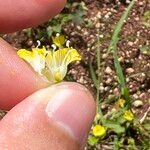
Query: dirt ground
(102, 16)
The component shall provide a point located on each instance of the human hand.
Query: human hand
(57, 117)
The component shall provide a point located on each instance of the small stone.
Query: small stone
(127, 80)
(135, 96)
(137, 103)
(81, 80)
(101, 88)
(116, 92)
(129, 70)
(108, 70)
(108, 81)
(141, 3)
(103, 106)
(98, 25)
(101, 36)
(99, 16)
(130, 43)
(104, 56)
(128, 1)
(107, 88)
(142, 96)
(121, 59)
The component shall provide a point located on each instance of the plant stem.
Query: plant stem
(98, 99)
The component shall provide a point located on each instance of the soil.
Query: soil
(103, 16)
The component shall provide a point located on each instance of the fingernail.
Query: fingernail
(73, 109)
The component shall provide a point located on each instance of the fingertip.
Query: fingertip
(27, 13)
(18, 80)
(63, 112)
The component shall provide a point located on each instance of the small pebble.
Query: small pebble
(129, 70)
(137, 103)
(142, 96)
(108, 70)
(104, 56)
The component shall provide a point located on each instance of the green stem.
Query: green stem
(99, 100)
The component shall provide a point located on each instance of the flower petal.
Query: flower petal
(67, 55)
(99, 131)
(128, 115)
(59, 40)
(25, 54)
(40, 51)
(36, 58)
(49, 60)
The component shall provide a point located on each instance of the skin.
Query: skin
(58, 117)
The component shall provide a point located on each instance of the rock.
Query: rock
(137, 103)
(101, 88)
(98, 25)
(116, 92)
(108, 81)
(104, 56)
(135, 96)
(142, 96)
(108, 70)
(130, 43)
(129, 70)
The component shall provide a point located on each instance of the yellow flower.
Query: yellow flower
(121, 103)
(51, 64)
(59, 40)
(36, 58)
(58, 61)
(99, 131)
(128, 115)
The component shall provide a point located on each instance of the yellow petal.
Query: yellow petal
(36, 58)
(121, 103)
(58, 76)
(128, 115)
(40, 51)
(58, 61)
(25, 54)
(59, 40)
(49, 59)
(67, 55)
(99, 131)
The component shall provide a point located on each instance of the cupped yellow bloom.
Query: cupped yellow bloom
(128, 115)
(99, 131)
(59, 40)
(51, 64)
(36, 58)
(58, 61)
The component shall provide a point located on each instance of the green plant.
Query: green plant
(54, 25)
(120, 119)
(146, 19)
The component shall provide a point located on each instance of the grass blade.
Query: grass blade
(113, 48)
(119, 26)
(93, 74)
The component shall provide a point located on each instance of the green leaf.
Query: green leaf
(113, 48)
(92, 140)
(119, 72)
(115, 126)
(119, 26)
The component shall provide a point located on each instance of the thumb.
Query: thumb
(58, 118)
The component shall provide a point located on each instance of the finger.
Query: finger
(17, 79)
(16, 15)
(57, 118)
